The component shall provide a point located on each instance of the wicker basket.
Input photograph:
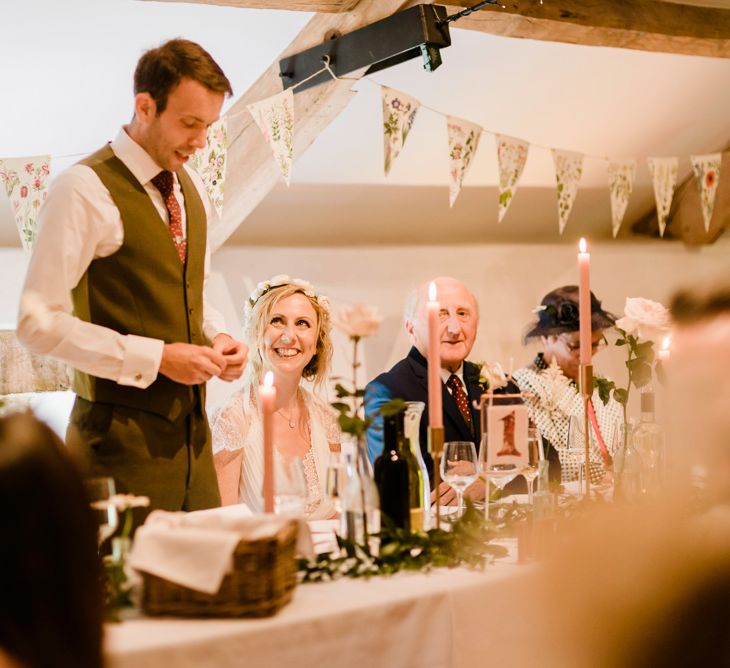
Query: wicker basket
(262, 582)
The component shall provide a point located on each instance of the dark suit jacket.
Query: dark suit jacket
(407, 380)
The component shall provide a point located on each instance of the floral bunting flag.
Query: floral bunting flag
(568, 170)
(463, 141)
(664, 176)
(511, 158)
(707, 173)
(210, 162)
(621, 175)
(26, 184)
(399, 112)
(275, 118)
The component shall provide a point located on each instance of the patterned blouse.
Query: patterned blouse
(556, 400)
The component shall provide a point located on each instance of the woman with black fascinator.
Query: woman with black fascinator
(553, 380)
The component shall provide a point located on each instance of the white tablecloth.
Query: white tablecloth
(441, 619)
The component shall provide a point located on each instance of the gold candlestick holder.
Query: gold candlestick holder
(436, 450)
(586, 390)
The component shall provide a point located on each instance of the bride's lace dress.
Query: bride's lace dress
(237, 430)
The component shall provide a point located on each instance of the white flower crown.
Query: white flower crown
(277, 282)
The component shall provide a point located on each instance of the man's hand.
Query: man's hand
(235, 354)
(190, 364)
(447, 495)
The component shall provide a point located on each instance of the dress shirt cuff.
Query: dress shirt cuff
(214, 326)
(141, 363)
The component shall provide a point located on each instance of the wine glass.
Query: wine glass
(99, 492)
(290, 487)
(534, 455)
(459, 468)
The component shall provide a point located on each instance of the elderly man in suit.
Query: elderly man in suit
(459, 320)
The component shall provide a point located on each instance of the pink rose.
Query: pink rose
(358, 321)
(24, 191)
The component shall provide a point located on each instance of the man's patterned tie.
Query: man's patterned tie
(462, 401)
(164, 183)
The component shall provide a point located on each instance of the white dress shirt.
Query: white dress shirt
(79, 223)
(459, 373)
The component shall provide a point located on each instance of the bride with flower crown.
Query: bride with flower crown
(287, 328)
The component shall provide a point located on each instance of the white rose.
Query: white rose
(492, 375)
(647, 319)
(358, 321)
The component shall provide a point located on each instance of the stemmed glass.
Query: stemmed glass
(534, 452)
(459, 468)
(99, 492)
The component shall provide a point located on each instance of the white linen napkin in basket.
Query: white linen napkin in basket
(196, 549)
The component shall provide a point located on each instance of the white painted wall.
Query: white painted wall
(508, 280)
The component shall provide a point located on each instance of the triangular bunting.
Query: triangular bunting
(568, 170)
(621, 175)
(26, 184)
(511, 158)
(463, 142)
(275, 118)
(664, 176)
(707, 172)
(210, 162)
(399, 113)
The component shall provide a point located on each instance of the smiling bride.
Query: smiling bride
(287, 328)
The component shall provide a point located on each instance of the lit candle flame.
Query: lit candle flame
(432, 292)
(269, 379)
(666, 341)
(582, 246)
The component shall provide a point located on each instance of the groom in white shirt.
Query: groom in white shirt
(115, 289)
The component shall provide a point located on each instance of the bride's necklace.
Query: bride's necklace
(290, 420)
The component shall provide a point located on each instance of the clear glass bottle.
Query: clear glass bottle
(628, 467)
(649, 442)
(420, 497)
(360, 516)
(543, 499)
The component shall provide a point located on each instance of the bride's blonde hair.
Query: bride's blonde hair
(258, 309)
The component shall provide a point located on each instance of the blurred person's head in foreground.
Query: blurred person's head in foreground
(699, 385)
(51, 601)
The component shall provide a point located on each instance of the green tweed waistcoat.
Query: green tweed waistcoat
(143, 288)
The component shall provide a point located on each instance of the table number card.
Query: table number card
(507, 430)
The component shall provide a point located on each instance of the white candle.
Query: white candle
(584, 304)
(267, 396)
(664, 350)
(435, 410)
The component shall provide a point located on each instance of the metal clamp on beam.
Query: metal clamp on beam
(418, 31)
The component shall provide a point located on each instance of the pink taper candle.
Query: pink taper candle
(435, 410)
(584, 303)
(267, 396)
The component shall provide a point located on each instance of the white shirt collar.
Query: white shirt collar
(445, 373)
(135, 158)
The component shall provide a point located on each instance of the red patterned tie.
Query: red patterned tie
(164, 183)
(462, 401)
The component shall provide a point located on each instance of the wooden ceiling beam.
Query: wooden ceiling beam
(325, 6)
(646, 25)
(251, 171)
